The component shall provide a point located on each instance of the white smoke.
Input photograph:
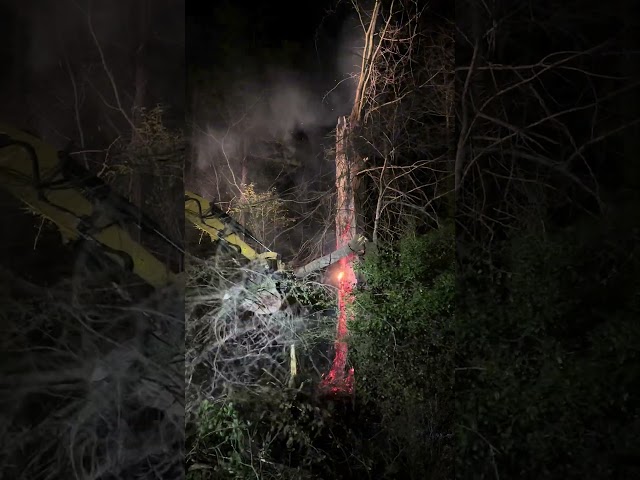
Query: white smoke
(263, 111)
(348, 61)
(253, 116)
(291, 104)
(215, 143)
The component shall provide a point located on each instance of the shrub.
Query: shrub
(547, 350)
(401, 347)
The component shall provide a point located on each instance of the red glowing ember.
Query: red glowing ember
(339, 379)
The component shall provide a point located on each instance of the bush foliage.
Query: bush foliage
(547, 337)
(401, 344)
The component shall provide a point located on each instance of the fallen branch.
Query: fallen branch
(354, 246)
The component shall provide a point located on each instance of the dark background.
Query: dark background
(47, 47)
(223, 44)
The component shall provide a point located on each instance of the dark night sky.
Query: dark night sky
(254, 27)
(38, 38)
(245, 40)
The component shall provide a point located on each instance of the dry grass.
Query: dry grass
(232, 343)
(92, 381)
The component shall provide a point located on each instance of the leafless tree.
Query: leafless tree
(524, 135)
(401, 125)
(545, 96)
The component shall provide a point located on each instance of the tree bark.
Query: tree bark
(345, 208)
(338, 380)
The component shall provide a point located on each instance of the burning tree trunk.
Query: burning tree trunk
(347, 163)
(338, 380)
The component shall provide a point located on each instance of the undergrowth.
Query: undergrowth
(92, 380)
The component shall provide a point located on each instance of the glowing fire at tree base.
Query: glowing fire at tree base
(339, 380)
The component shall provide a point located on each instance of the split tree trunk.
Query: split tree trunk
(339, 380)
(345, 202)
(348, 189)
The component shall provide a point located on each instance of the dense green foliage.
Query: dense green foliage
(280, 433)
(547, 347)
(401, 346)
(547, 328)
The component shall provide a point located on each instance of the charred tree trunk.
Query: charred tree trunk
(345, 202)
(339, 380)
(347, 186)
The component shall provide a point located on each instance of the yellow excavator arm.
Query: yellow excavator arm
(33, 172)
(207, 217)
(84, 208)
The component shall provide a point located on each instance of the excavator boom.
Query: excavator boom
(206, 216)
(33, 172)
(84, 208)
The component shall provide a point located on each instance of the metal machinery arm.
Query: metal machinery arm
(220, 226)
(206, 216)
(81, 206)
